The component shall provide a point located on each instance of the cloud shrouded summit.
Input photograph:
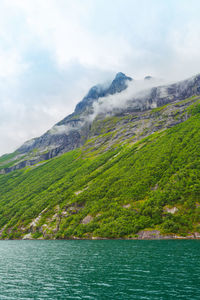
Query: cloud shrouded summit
(52, 52)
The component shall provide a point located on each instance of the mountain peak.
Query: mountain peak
(122, 76)
(118, 84)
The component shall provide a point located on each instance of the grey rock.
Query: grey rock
(72, 132)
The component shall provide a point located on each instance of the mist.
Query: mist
(52, 52)
(135, 92)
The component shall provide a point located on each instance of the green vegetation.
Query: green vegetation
(7, 160)
(194, 108)
(118, 192)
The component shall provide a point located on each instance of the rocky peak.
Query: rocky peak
(95, 92)
(98, 91)
(121, 75)
(119, 83)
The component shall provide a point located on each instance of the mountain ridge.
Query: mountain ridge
(73, 131)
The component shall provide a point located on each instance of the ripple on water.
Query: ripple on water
(99, 270)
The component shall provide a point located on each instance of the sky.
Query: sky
(53, 51)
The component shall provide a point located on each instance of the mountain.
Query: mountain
(74, 130)
(125, 164)
(68, 134)
(118, 85)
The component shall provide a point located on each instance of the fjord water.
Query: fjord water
(109, 269)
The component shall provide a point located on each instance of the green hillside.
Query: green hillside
(110, 191)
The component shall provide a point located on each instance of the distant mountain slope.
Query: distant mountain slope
(74, 130)
(136, 176)
(67, 134)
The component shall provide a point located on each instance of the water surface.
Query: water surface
(100, 270)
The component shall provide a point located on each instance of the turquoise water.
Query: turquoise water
(100, 270)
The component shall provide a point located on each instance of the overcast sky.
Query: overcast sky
(53, 51)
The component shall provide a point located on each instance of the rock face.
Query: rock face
(171, 210)
(162, 95)
(98, 91)
(147, 234)
(155, 234)
(181, 90)
(87, 219)
(72, 132)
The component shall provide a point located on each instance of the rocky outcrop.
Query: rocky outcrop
(147, 234)
(171, 210)
(155, 234)
(51, 226)
(28, 236)
(126, 205)
(87, 219)
(57, 140)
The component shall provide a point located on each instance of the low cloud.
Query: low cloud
(135, 92)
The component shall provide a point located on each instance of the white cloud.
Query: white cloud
(52, 52)
(63, 33)
(11, 64)
(135, 92)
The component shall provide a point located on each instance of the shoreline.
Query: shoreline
(142, 235)
(105, 239)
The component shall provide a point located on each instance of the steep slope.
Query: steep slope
(74, 130)
(137, 176)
